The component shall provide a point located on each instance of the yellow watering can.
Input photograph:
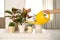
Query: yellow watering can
(41, 18)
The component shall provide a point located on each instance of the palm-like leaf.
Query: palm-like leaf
(7, 16)
(14, 10)
(8, 12)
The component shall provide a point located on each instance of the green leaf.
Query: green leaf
(14, 9)
(7, 16)
(11, 24)
(8, 12)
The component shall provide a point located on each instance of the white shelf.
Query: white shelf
(45, 35)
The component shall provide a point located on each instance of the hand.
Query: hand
(47, 11)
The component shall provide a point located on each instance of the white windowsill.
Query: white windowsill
(45, 35)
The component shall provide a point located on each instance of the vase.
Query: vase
(21, 27)
(38, 28)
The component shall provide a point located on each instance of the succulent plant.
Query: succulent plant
(11, 24)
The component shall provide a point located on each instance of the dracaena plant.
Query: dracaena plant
(18, 15)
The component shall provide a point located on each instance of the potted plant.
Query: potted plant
(18, 16)
(11, 27)
(30, 28)
(12, 15)
(21, 24)
(22, 19)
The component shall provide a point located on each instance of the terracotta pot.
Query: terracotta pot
(11, 29)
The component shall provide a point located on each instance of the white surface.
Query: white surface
(45, 35)
(35, 7)
(1, 8)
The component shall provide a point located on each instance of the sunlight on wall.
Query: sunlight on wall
(49, 6)
(35, 5)
(1, 8)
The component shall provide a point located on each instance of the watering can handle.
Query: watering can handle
(48, 14)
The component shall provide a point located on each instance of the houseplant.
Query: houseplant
(12, 15)
(30, 28)
(22, 19)
(18, 16)
(11, 27)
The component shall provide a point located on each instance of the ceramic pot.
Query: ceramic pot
(11, 29)
(38, 28)
(21, 28)
(30, 29)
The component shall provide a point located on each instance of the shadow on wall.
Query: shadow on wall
(2, 22)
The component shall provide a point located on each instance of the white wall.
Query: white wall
(13, 3)
(35, 7)
(1, 8)
(48, 4)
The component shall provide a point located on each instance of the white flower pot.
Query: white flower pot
(38, 28)
(21, 28)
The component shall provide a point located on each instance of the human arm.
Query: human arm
(52, 11)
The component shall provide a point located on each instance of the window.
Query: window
(35, 5)
(1, 8)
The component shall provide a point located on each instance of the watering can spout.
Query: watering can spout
(41, 18)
